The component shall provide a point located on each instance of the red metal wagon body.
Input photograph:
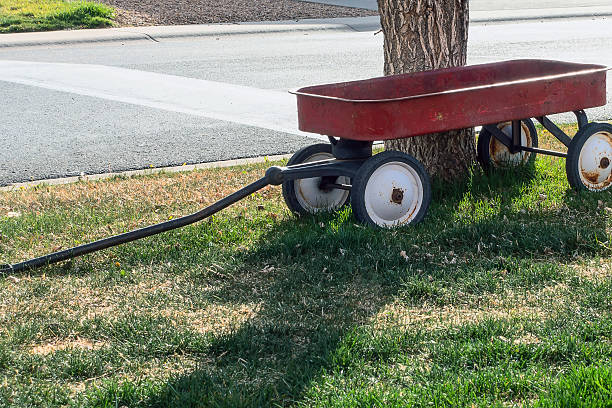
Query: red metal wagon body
(408, 105)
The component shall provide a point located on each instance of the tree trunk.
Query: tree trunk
(421, 35)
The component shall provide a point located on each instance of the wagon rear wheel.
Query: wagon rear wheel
(493, 153)
(391, 189)
(589, 158)
(305, 196)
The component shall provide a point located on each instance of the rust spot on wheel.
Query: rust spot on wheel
(409, 217)
(497, 148)
(591, 176)
(604, 163)
(397, 196)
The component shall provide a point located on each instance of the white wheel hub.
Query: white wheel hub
(393, 194)
(312, 198)
(499, 153)
(595, 162)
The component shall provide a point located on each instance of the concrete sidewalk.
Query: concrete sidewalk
(157, 33)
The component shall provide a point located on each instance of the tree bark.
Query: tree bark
(422, 35)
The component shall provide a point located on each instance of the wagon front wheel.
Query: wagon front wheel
(305, 196)
(391, 189)
(493, 153)
(589, 158)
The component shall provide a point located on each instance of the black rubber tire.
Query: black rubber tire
(360, 182)
(572, 162)
(288, 187)
(483, 153)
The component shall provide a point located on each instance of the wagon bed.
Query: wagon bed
(408, 105)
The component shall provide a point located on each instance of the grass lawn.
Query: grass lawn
(43, 15)
(501, 297)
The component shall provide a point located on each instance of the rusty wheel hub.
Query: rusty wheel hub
(594, 162)
(397, 196)
(393, 194)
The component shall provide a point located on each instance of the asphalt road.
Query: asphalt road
(95, 108)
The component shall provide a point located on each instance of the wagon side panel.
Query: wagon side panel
(493, 105)
(381, 120)
(340, 119)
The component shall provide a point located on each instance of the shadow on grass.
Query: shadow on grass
(318, 279)
(316, 282)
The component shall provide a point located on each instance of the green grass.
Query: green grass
(501, 297)
(45, 15)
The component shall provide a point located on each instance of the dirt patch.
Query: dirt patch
(154, 12)
(134, 18)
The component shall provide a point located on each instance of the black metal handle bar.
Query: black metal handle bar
(274, 176)
(139, 233)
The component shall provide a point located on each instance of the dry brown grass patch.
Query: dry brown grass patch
(166, 190)
(595, 270)
(434, 317)
(215, 319)
(527, 338)
(77, 343)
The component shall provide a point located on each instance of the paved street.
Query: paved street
(102, 107)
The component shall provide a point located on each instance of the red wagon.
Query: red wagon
(392, 188)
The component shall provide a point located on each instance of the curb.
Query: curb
(371, 23)
(152, 33)
(144, 172)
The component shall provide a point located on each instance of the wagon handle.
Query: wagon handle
(271, 177)
(453, 91)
